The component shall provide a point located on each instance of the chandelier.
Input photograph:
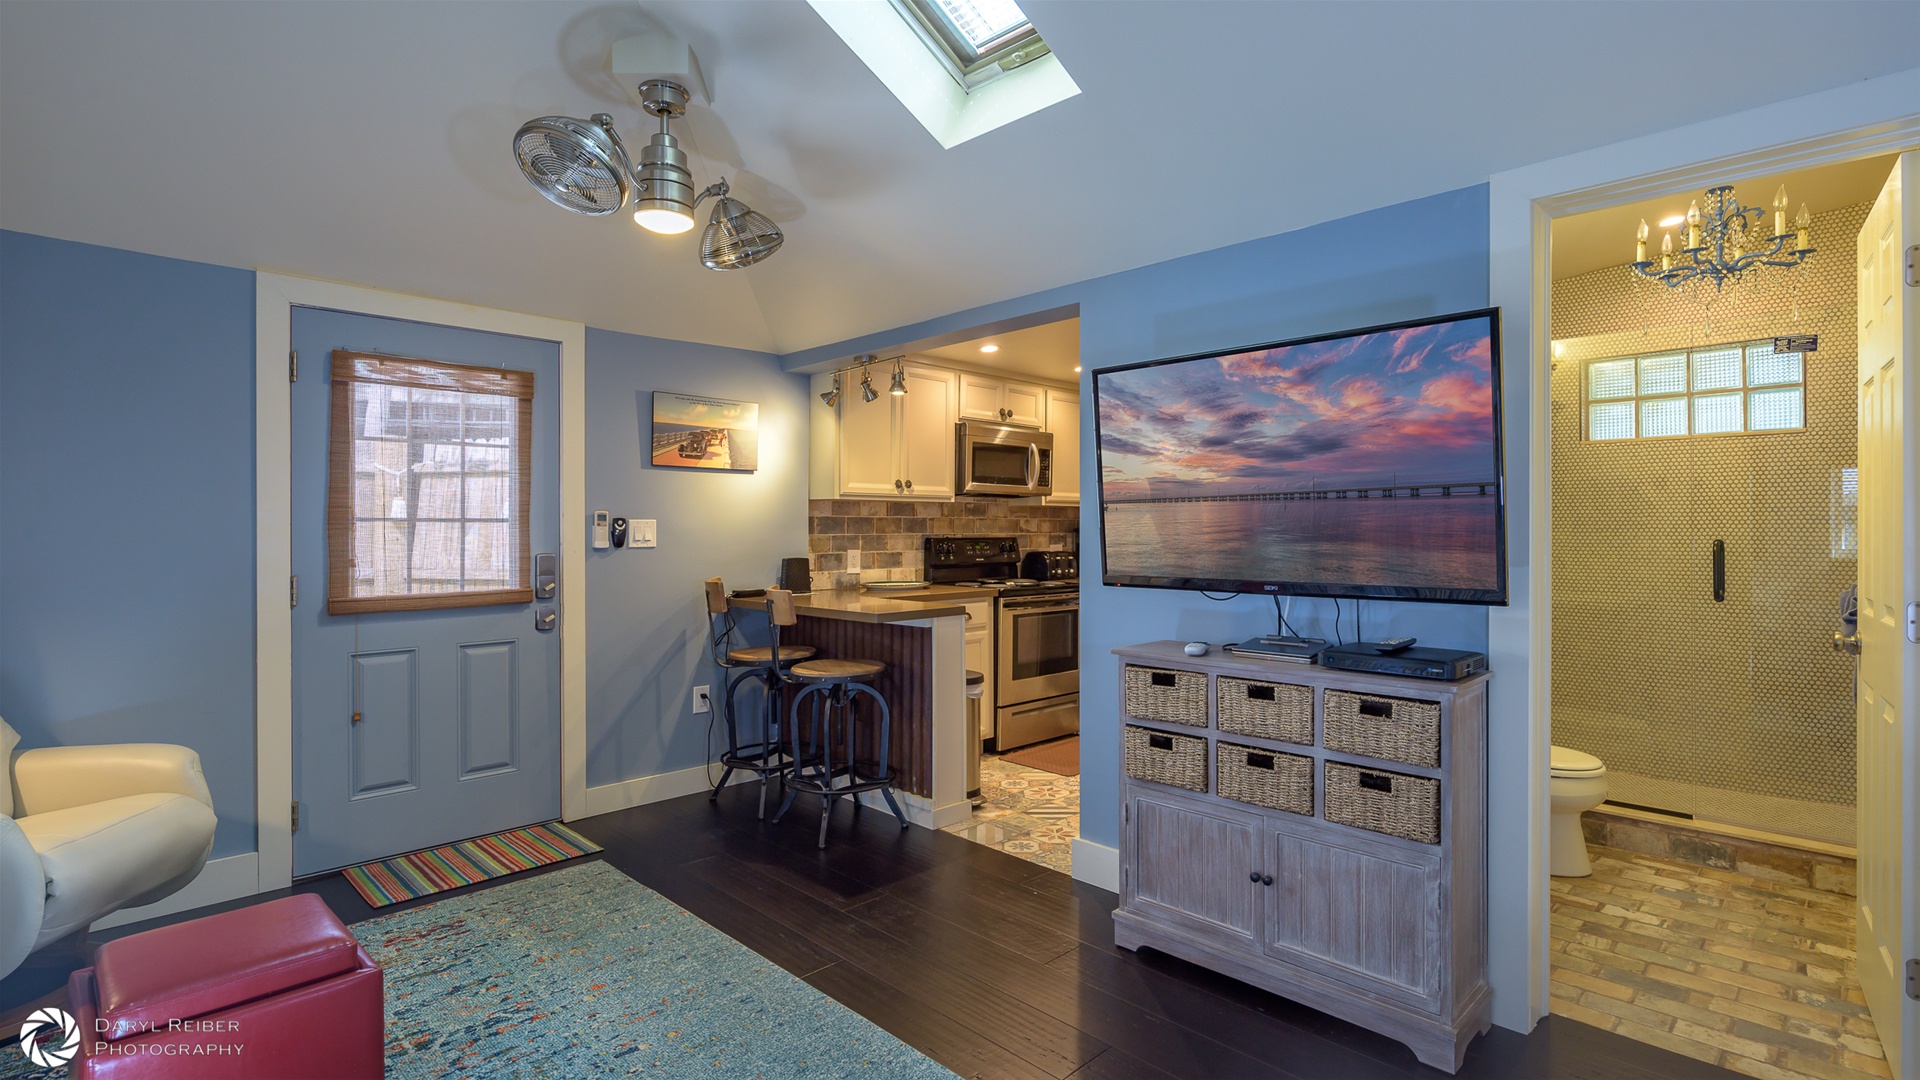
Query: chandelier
(1726, 240)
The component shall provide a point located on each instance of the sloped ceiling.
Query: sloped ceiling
(370, 142)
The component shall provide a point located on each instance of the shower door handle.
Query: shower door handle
(1719, 571)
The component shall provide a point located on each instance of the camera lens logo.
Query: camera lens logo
(50, 1037)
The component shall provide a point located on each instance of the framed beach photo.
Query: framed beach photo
(693, 432)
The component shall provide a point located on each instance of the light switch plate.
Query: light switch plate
(643, 532)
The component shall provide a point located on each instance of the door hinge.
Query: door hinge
(293, 591)
(1913, 979)
(293, 366)
(296, 815)
(1913, 623)
(1913, 266)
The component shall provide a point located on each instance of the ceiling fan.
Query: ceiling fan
(583, 166)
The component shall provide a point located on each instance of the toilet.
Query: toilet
(1577, 783)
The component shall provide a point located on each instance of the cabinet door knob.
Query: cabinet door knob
(1254, 877)
(897, 486)
(909, 485)
(1266, 879)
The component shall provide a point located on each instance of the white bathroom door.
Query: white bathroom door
(1889, 691)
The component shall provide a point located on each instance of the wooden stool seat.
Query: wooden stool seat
(837, 669)
(761, 654)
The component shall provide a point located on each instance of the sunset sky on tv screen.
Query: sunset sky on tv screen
(1396, 407)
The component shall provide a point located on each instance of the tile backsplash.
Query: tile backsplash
(888, 534)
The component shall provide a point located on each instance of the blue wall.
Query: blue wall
(126, 507)
(646, 619)
(1406, 261)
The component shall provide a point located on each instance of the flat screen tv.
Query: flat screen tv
(1363, 464)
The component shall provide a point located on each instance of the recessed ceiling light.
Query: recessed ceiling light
(1076, 369)
(1668, 223)
(989, 348)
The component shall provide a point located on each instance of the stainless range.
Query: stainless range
(1036, 671)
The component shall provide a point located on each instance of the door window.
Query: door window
(428, 477)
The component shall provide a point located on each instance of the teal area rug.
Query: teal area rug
(585, 972)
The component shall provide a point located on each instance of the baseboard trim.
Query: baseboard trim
(229, 878)
(659, 787)
(1096, 864)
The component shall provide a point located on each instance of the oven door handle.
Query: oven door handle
(1039, 605)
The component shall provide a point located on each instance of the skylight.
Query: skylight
(976, 41)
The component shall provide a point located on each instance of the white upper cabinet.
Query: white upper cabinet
(998, 401)
(1063, 421)
(892, 447)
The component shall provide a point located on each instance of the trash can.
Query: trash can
(976, 686)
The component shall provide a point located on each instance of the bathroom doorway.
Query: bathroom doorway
(1704, 481)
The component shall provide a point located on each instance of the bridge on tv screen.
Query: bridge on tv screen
(1444, 489)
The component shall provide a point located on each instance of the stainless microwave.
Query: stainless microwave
(995, 460)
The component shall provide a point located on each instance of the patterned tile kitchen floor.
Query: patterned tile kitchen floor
(1025, 812)
(1754, 976)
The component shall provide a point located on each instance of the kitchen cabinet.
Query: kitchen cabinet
(979, 652)
(1000, 401)
(1258, 841)
(897, 447)
(1063, 422)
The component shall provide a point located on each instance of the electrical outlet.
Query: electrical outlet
(853, 561)
(702, 699)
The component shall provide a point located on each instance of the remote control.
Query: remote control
(1394, 645)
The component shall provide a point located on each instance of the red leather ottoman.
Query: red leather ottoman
(277, 990)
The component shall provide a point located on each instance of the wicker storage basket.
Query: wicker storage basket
(1249, 774)
(1392, 729)
(1384, 802)
(1175, 697)
(1165, 758)
(1279, 711)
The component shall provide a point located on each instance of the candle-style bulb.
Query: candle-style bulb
(1693, 213)
(1780, 198)
(1803, 219)
(1643, 229)
(1666, 244)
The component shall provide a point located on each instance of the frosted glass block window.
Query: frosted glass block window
(1611, 421)
(1610, 379)
(1663, 374)
(1717, 414)
(1775, 410)
(1663, 416)
(1768, 368)
(1717, 390)
(1716, 369)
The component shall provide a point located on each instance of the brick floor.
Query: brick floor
(1752, 975)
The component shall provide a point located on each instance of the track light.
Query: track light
(737, 236)
(867, 392)
(899, 385)
(832, 397)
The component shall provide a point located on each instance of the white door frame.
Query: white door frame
(275, 297)
(1859, 120)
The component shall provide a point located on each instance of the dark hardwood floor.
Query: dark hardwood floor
(993, 966)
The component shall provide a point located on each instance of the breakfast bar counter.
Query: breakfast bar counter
(919, 634)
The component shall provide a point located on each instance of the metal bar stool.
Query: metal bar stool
(825, 763)
(765, 754)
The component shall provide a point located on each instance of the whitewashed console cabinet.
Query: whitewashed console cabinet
(1317, 833)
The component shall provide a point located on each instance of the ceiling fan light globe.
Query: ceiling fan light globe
(667, 220)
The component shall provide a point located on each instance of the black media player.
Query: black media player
(1418, 663)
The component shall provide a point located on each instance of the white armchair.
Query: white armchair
(88, 830)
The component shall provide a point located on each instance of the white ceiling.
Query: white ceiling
(1048, 351)
(370, 142)
(1593, 241)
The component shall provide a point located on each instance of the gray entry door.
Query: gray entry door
(458, 730)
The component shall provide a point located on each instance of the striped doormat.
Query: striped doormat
(423, 873)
